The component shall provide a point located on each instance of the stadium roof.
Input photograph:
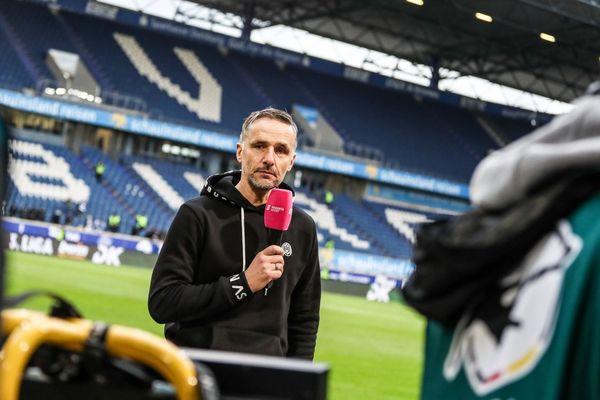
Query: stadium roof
(509, 50)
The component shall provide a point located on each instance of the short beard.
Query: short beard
(260, 186)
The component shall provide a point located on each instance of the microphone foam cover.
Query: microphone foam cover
(278, 211)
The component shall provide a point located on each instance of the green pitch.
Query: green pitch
(374, 350)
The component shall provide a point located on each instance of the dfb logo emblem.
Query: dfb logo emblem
(505, 341)
(287, 249)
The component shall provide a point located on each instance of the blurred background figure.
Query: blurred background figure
(141, 223)
(114, 222)
(99, 169)
(511, 289)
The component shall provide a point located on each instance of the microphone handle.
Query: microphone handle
(274, 237)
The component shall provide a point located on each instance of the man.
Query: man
(141, 223)
(329, 197)
(209, 282)
(99, 169)
(114, 222)
(512, 289)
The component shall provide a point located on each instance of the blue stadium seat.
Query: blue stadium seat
(96, 206)
(173, 173)
(351, 225)
(131, 193)
(38, 35)
(15, 72)
(386, 240)
(404, 131)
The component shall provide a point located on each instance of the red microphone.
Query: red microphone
(278, 215)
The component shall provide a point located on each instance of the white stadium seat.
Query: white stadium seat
(325, 219)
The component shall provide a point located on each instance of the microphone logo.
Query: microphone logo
(273, 208)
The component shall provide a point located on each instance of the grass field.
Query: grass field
(374, 350)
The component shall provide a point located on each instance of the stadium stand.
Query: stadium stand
(128, 190)
(46, 177)
(208, 104)
(187, 181)
(178, 80)
(100, 35)
(419, 128)
(328, 225)
(404, 222)
(160, 186)
(164, 72)
(509, 129)
(18, 73)
(385, 241)
(52, 178)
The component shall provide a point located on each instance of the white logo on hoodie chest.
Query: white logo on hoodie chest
(287, 249)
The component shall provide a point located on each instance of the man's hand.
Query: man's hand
(267, 266)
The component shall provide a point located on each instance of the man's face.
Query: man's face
(267, 153)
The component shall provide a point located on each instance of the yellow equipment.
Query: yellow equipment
(28, 330)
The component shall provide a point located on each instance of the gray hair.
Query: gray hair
(272, 113)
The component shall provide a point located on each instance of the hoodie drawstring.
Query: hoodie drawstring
(243, 240)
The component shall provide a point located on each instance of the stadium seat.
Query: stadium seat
(326, 221)
(185, 179)
(53, 179)
(183, 81)
(157, 187)
(404, 222)
(160, 186)
(208, 104)
(131, 191)
(383, 238)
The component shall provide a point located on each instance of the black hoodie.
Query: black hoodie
(199, 290)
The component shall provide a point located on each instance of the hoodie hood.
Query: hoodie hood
(570, 142)
(222, 187)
